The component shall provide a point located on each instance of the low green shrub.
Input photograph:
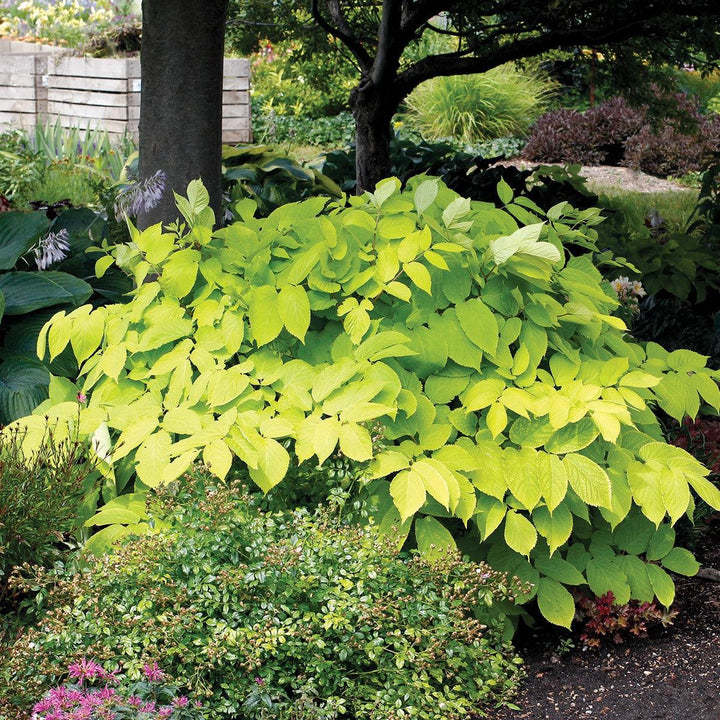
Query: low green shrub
(657, 235)
(292, 84)
(474, 108)
(517, 415)
(334, 131)
(270, 178)
(41, 498)
(233, 603)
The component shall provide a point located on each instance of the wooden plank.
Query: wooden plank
(20, 106)
(236, 67)
(236, 111)
(16, 79)
(72, 82)
(87, 98)
(17, 93)
(236, 136)
(241, 82)
(236, 97)
(91, 67)
(112, 126)
(87, 111)
(18, 47)
(17, 119)
(24, 64)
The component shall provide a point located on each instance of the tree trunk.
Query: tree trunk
(181, 65)
(373, 110)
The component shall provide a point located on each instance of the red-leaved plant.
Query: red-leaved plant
(604, 620)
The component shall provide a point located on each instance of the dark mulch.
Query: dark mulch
(672, 675)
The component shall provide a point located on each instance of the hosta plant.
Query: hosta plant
(43, 266)
(517, 414)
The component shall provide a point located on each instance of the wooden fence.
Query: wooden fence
(46, 84)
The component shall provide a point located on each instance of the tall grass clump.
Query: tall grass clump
(475, 108)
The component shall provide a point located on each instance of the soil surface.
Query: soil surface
(673, 674)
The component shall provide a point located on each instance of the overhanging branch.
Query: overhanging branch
(342, 31)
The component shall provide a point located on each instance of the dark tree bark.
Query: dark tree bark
(181, 101)
(373, 110)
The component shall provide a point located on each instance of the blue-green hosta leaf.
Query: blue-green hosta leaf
(24, 385)
(28, 291)
(19, 231)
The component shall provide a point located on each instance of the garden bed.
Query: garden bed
(672, 674)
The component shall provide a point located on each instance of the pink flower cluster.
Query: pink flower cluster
(81, 701)
(628, 292)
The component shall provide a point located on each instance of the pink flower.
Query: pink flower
(181, 701)
(87, 670)
(81, 398)
(153, 672)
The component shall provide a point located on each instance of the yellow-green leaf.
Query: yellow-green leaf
(294, 308)
(408, 493)
(588, 480)
(355, 441)
(217, 456)
(520, 534)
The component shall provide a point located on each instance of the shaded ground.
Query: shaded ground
(604, 177)
(672, 675)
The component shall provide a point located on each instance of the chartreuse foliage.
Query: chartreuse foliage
(510, 397)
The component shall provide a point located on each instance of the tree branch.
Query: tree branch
(617, 30)
(342, 31)
(390, 47)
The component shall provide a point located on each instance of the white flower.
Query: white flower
(140, 197)
(53, 248)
